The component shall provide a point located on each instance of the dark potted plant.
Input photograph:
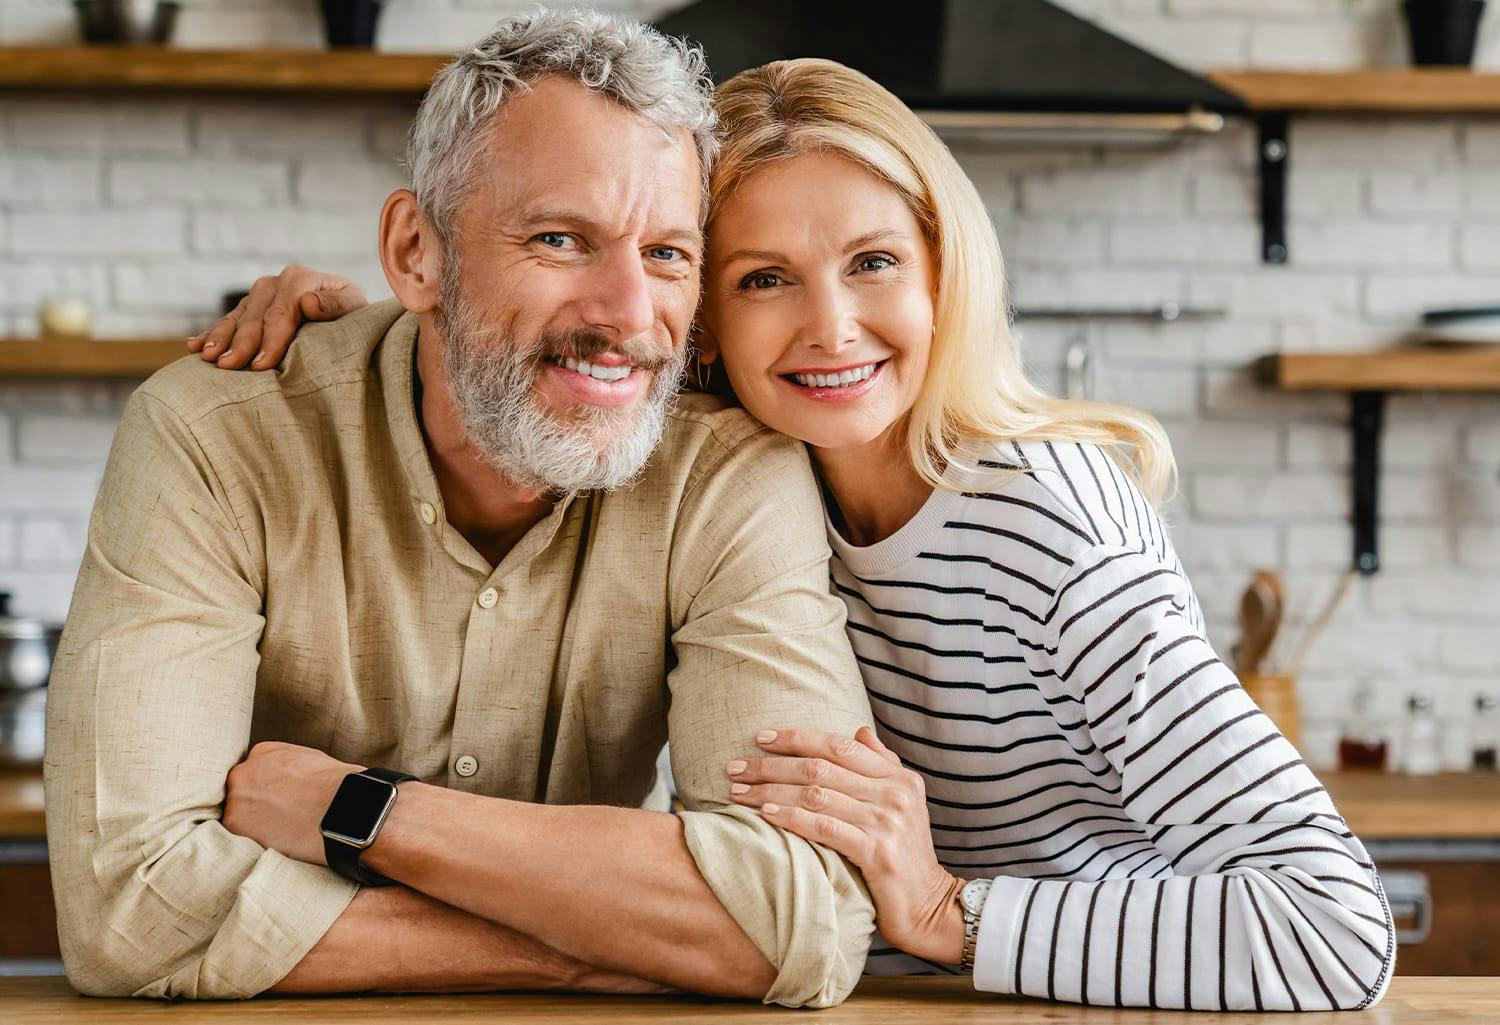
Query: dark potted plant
(1443, 32)
(351, 23)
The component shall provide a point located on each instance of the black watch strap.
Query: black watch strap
(343, 858)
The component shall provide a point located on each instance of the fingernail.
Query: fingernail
(260, 357)
(770, 809)
(765, 736)
(739, 788)
(735, 768)
(210, 345)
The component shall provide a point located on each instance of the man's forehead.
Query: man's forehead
(561, 146)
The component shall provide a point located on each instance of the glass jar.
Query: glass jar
(1484, 733)
(1362, 746)
(1421, 748)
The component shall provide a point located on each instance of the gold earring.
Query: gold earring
(703, 379)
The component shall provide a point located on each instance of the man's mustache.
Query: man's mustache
(583, 344)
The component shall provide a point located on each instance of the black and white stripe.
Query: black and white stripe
(1031, 646)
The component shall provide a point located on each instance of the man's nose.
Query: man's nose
(619, 302)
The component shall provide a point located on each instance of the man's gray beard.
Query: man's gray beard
(492, 382)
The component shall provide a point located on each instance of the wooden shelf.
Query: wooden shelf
(21, 813)
(148, 68)
(1374, 90)
(136, 358)
(1468, 368)
(1387, 91)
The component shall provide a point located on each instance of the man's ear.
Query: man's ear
(410, 252)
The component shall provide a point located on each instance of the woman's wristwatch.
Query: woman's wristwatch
(971, 898)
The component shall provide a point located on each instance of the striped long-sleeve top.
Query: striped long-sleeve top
(1033, 649)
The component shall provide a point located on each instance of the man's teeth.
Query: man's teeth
(598, 373)
(840, 380)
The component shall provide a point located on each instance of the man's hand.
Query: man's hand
(277, 797)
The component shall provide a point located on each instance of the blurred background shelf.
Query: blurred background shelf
(408, 74)
(146, 68)
(1467, 368)
(1393, 90)
(135, 358)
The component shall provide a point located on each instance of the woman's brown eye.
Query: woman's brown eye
(761, 281)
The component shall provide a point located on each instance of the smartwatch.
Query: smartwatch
(353, 821)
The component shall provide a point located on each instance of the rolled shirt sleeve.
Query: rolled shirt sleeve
(149, 707)
(759, 641)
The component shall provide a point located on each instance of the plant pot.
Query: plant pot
(350, 24)
(1443, 32)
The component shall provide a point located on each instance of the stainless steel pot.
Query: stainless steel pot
(27, 647)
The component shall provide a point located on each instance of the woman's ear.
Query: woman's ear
(410, 252)
(705, 344)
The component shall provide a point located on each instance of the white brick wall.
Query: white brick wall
(150, 211)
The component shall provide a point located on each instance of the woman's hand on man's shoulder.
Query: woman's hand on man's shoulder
(258, 332)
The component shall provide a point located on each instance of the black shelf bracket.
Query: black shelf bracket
(1275, 148)
(1367, 415)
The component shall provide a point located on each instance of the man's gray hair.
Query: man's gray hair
(659, 77)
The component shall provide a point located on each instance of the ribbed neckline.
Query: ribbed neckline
(891, 554)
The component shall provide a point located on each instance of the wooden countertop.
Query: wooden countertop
(1463, 806)
(1410, 1001)
(1386, 806)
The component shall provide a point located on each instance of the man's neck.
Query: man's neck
(491, 513)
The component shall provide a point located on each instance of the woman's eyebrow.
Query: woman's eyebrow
(758, 255)
(875, 237)
(864, 241)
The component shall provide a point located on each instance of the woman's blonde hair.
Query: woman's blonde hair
(975, 389)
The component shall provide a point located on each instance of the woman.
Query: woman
(1053, 723)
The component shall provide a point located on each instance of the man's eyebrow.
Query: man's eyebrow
(556, 215)
(864, 241)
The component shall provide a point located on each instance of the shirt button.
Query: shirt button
(488, 597)
(466, 765)
(429, 514)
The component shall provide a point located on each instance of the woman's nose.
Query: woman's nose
(831, 323)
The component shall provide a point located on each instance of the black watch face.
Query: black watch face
(358, 808)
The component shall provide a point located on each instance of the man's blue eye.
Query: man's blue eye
(664, 252)
(554, 239)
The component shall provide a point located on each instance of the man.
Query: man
(433, 544)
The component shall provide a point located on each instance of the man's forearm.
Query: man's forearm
(398, 940)
(612, 887)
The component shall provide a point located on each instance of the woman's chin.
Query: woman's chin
(824, 436)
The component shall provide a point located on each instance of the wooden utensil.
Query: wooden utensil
(1260, 619)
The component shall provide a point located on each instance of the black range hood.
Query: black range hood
(952, 59)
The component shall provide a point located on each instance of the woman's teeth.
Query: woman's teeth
(842, 379)
(598, 373)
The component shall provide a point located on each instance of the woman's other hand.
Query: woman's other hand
(257, 332)
(854, 796)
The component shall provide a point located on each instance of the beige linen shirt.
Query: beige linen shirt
(268, 558)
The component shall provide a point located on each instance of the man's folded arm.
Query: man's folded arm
(149, 707)
(760, 643)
